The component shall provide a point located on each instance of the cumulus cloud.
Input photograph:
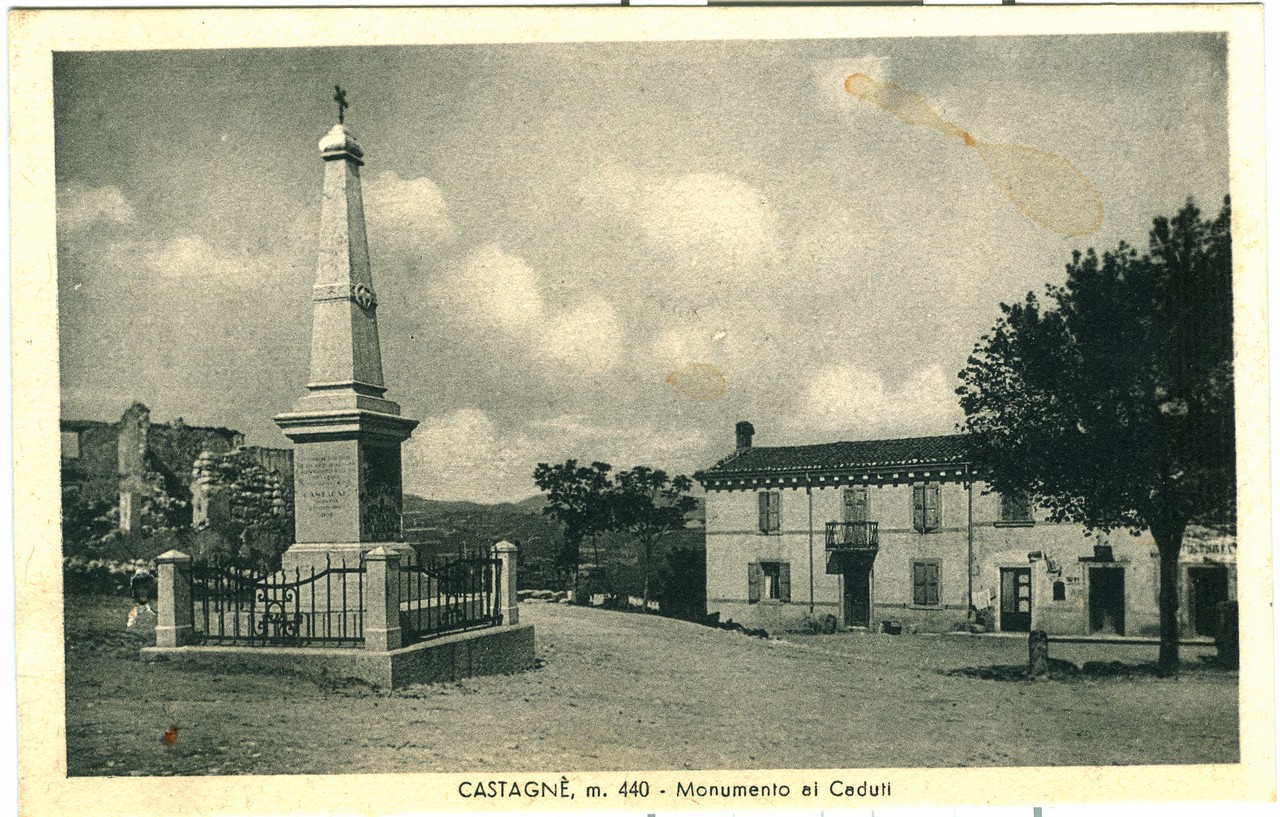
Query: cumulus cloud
(409, 213)
(490, 287)
(699, 218)
(853, 403)
(464, 454)
(183, 256)
(81, 206)
(587, 337)
(461, 455)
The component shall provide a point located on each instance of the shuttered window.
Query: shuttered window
(768, 581)
(926, 507)
(924, 583)
(770, 511)
(857, 507)
(1015, 508)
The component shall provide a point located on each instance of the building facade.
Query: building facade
(904, 533)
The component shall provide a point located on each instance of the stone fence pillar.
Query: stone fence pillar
(174, 627)
(382, 600)
(505, 592)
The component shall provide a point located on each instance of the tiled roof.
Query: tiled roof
(828, 457)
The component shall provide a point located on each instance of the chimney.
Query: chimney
(745, 430)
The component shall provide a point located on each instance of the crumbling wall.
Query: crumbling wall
(233, 490)
(145, 467)
(93, 468)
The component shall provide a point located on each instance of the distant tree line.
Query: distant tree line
(644, 503)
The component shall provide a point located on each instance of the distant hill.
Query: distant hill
(445, 528)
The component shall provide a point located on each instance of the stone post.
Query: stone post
(1038, 654)
(382, 600)
(174, 626)
(505, 593)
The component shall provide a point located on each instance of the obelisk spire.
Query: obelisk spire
(346, 358)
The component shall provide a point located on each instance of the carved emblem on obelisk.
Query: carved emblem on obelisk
(363, 295)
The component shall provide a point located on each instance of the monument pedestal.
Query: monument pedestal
(348, 495)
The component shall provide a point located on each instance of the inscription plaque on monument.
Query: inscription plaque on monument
(326, 492)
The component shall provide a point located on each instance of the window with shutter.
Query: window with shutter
(770, 511)
(932, 507)
(856, 507)
(1015, 508)
(926, 507)
(925, 591)
(772, 581)
(754, 576)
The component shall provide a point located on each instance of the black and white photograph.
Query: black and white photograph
(516, 408)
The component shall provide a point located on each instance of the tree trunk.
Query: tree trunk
(648, 554)
(1169, 544)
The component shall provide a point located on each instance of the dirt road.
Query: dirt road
(619, 691)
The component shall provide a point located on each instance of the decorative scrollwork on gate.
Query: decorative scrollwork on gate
(277, 625)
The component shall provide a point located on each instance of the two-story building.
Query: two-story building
(905, 531)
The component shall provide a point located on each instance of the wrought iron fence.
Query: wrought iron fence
(238, 605)
(853, 536)
(447, 596)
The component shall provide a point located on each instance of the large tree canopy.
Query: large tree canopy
(1111, 400)
(577, 497)
(649, 504)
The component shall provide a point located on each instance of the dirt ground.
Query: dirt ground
(623, 691)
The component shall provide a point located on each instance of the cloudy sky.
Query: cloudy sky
(605, 251)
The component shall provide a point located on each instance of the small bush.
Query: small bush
(109, 576)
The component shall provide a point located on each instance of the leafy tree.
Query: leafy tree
(578, 498)
(649, 504)
(85, 523)
(1111, 401)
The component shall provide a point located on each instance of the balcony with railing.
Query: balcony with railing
(853, 537)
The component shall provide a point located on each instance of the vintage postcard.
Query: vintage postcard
(432, 411)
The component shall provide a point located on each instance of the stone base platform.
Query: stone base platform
(317, 556)
(492, 651)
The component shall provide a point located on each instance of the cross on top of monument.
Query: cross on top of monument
(340, 97)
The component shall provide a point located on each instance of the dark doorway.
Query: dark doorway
(1106, 600)
(857, 596)
(1015, 599)
(1207, 588)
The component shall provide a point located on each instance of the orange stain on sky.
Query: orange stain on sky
(701, 381)
(1047, 188)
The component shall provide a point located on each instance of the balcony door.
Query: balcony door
(855, 504)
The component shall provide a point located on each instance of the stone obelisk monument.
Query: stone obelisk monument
(346, 462)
